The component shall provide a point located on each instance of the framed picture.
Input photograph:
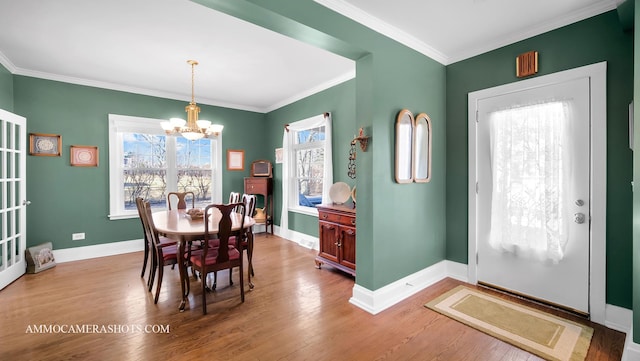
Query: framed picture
(279, 155)
(235, 159)
(45, 144)
(84, 156)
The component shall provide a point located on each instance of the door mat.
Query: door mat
(540, 333)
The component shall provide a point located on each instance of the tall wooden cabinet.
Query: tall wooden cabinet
(262, 186)
(337, 234)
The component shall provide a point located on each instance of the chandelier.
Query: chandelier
(192, 128)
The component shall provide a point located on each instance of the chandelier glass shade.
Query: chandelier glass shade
(192, 128)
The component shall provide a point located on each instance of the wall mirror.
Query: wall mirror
(422, 148)
(404, 146)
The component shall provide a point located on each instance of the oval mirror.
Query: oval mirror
(422, 148)
(404, 148)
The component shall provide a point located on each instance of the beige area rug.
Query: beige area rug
(542, 334)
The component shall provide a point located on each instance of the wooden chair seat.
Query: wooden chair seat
(212, 257)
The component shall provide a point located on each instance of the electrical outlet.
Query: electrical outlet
(77, 236)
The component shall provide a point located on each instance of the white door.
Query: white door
(13, 215)
(533, 228)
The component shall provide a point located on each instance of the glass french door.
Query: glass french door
(13, 153)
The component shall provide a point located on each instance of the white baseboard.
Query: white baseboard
(302, 239)
(387, 296)
(98, 250)
(631, 350)
(618, 318)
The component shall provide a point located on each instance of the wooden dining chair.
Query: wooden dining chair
(148, 249)
(181, 197)
(246, 238)
(218, 254)
(234, 197)
(246, 241)
(164, 254)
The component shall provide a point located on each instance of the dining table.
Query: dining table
(177, 224)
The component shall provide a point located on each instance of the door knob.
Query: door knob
(579, 218)
(26, 203)
(579, 202)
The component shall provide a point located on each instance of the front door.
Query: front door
(13, 215)
(533, 205)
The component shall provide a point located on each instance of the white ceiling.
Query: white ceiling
(142, 46)
(452, 30)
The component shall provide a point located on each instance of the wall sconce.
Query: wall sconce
(362, 139)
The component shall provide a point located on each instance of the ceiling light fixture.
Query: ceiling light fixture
(192, 128)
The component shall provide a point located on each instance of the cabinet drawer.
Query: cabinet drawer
(255, 186)
(336, 218)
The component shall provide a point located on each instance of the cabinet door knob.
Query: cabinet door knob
(324, 216)
(353, 222)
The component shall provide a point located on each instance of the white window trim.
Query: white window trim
(289, 196)
(124, 123)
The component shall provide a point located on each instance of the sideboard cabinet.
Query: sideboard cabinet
(262, 186)
(337, 234)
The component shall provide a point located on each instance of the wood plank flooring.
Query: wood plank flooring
(295, 312)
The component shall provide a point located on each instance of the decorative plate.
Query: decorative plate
(339, 192)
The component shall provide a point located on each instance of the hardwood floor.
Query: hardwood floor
(295, 312)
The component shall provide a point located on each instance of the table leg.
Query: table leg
(183, 274)
(250, 254)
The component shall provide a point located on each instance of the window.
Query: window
(307, 168)
(308, 153)
(144, 162)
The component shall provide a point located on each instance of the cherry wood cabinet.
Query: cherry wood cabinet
(262, 186)
(337, 234)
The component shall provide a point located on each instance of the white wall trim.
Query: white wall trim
(387, 296)
(618, 318)
(358, 15)
(301, 239)
(98, 250)
(597, 74)
(631, 350)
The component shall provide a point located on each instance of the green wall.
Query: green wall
(65, 199)
(636, 180)
(6, 89)
(340, 102)
(394, 221)
(597, 39)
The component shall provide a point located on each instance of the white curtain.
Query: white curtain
(322, 120)
(530, 171)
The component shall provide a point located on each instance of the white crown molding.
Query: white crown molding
(326, 85)
(124, 88)
(510, 38)
(4, 61)
(167, 95)
(358, 15)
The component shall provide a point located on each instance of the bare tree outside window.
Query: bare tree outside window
(145, 169)
(309, 155)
